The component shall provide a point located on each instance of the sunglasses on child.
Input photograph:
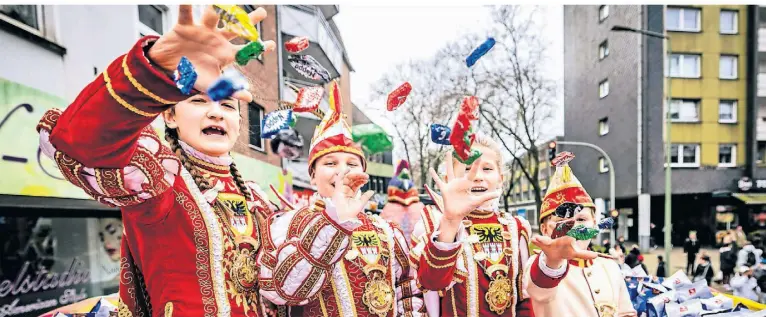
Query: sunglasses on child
(567, 210)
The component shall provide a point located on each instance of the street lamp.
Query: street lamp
(668, 212)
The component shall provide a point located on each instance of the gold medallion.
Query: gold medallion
(606, 310)
(378, 296)
(244, 270)
(499, 294)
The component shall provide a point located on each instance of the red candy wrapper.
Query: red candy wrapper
(470, 107)
(460, 138)
(308, 99)
(397, 97)
(297, 44)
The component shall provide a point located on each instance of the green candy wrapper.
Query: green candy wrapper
(581, 232)
(372, 138)
(250, 51)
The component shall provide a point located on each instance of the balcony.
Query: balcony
(309, 21)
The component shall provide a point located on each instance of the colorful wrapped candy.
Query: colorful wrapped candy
(275, 121)
(372, 138)
(606, 223)
(309, 67)
(397, 97)
(562, 229)
(251, 51)
(287, 144)
(236, 20)
(470, 107)
(297, 44)
(462, 136)
(582, 232)
(185, 76)
(480, 51)
(440, 134)
(308, 99)
(230, 82)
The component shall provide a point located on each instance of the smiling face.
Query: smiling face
(209, 127)
(489, 177)
(329, 165)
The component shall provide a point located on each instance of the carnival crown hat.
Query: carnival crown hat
(401, 188)
(563, 187)
(333, 134)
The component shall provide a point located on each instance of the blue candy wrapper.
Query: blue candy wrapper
(440, 134)
(480, 51)
(230, 82)
(606, 223)
(276, 121)
(185, 76)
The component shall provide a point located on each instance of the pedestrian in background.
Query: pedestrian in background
(691, 248)
(744, 284)
(660, 266)
(728, 261)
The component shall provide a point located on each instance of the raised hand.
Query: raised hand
(561, 249)
(456, 192)
(347, 205)
(205, 45)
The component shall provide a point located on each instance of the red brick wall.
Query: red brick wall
(264, 84)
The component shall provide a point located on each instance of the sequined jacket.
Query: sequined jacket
(178, 254)
(320, 271)
(454, 282)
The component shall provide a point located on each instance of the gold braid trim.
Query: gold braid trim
(445, 258)
(122, 101)
(141, 88)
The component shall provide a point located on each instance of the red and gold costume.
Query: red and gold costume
(403, 206)
(587, 288)
(181, 255)
(315, 265)
(482, 273)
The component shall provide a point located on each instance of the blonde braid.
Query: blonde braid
(171, 135)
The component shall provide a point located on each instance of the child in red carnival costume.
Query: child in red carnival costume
(192, 225)
(330, 258)
(468, 251)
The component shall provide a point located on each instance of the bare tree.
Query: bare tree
(411, 121)
(516, 97)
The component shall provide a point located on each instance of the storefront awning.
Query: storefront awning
(751, 199)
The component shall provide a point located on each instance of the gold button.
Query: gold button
(597, 291)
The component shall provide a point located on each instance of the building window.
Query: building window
(684, 155)
(26, 16)
(683, 19)
(685, 65)
(727, 111)
(255, 116)
(603, 167)
(727, 68)
(603, 50)
(761, 159)
(728, 23)
(603, 126)
(603, 88)
(727, 154)
(603, 13)
(151, 20)
(684, 110)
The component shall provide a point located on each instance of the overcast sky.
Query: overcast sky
(379, 37)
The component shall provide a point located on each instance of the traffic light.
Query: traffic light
(551, 150)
